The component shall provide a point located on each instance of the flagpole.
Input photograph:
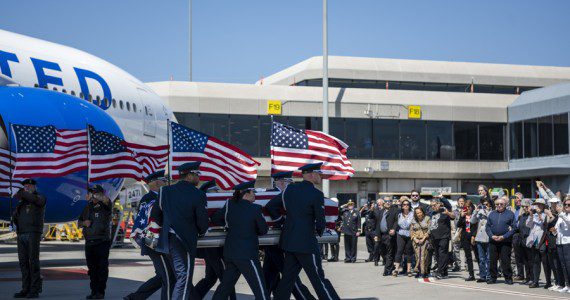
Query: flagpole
(11, 170)
(169, 152)
(88, 155)
(271, 153)
(326, 183)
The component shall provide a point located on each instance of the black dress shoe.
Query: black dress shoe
(533, 285)
(21, 294)
(481, 280)
(33, 295)
(470, 278)
(376, 264)
(386, 273)
(547, 286)
(491, 281)
(509, 281)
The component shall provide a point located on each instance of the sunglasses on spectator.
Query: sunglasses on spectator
(566, 204)
(405, 205)
(415, 195)
(499, 204)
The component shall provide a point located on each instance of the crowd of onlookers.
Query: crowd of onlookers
(514, 238)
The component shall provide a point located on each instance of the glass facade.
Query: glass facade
(417, 86)
(367, 138)
(545, 136)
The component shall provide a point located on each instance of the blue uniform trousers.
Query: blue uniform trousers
(312, 264)
(215, 268)
(163, 279)
(183, 266)
(251, 270)
(273, 264)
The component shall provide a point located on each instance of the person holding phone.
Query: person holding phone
(96, 223)
(440, 228)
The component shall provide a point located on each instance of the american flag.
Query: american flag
(7, 164)
(219, 160)
(113, 157)
(44, 151)
(110, 158)
(151, 159)
(292, 148)
(218, 200)
(144, 222)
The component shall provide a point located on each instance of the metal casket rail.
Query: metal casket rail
(216, 238)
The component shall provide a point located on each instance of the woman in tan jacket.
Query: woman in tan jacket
(419, 232)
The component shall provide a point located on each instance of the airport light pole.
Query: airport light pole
(190, 40)
(326, 183)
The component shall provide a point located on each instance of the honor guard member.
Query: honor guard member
(184, 217)
(244, 223)
(164, 276)
(273, 261)
(29, 220)
(213, 257)
(96, 223)
(351, 229)
(304, 204)
(367, 212)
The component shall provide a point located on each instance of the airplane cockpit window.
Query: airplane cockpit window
(121, 104)
(128, 106)
(114, 103)
(134, 108)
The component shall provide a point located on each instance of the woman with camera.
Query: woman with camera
(467, 239)
(479, 217)
(538, 222)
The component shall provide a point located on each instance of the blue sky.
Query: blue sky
(241, 41)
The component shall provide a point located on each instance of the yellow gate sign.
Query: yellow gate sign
(274, 107)
(414, 112)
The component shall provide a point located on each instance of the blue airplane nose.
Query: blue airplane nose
(39, 107)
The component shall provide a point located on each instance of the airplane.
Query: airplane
(43, 83)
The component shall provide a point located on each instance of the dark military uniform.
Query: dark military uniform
(274, 259)
(305, 215)
(350, 228)
(370, 230)
(29, 220)
(244, 222)
(97, 242)
(184, 218)
(213, 260)
(164, 276)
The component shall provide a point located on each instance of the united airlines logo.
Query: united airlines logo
(41, 66)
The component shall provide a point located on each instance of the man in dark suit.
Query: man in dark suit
(386, 225)
(274, 259)
(185, 217)
(162, 268)
(304, 205)
(367, 211)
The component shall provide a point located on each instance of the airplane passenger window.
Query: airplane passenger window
(64, 91)
(96, 102)
(72, 93)
(106, 102)
(90, 98)
(134, 108)
(128, 106)
(114, 103)
(121, 104)
(55, 89)
(81, 95)
(36, 85)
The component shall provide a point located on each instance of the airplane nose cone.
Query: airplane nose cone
(40, 107)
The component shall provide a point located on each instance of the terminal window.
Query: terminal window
(544, 136)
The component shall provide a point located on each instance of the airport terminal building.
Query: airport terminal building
(409, 123)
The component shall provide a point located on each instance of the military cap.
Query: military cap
(209, 185)
(350, 202)
(283, 176)
(189, 167)
(96, 189)
(309, 168)
(248, 185)
(29, 181)
(154, 176)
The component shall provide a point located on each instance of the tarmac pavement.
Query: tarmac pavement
(65, 277)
